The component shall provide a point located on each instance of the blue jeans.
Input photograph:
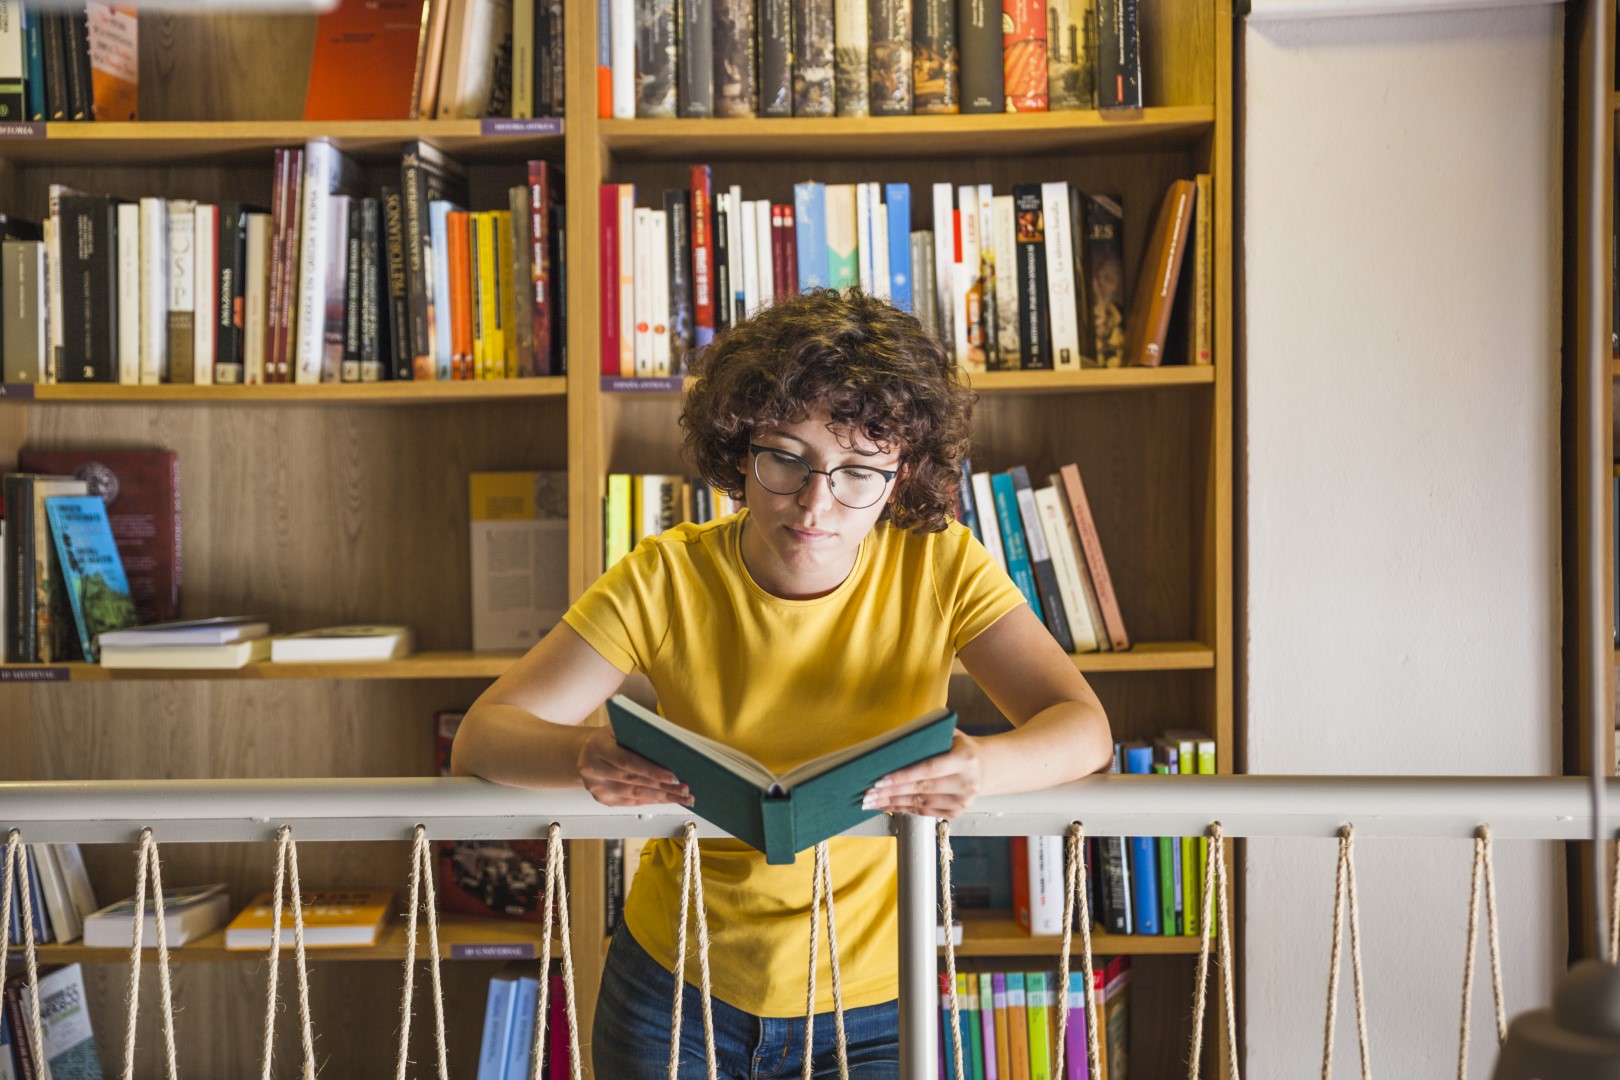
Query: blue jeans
(630, 1036)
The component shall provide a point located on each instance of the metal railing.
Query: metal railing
(184, 811)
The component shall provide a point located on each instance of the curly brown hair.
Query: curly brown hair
(871, 366)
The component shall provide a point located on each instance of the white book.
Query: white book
(863, 236)
(651, 507)
(217, 631)
(346, 643)
(748, 227)
(658, 291)
(970, 345)
(851, 31)
(337, 290)
(51, 231)
(764, 262)
(984, 501)
(734, 253)
(439, 226)
(223, 657)
(1004, 234)
(880, 246)
(129, 294)
(1065, 314)
(66, 925)
(1088, 588)
(1045, 885)
(490, 26)
(188, 912)
(206, 229)
(154, 291)
(256, 299)
(327, 172)
(622, 52)
(627, 280)
(1049, 505)
(71, 862)
(642, 296)
(944, 259)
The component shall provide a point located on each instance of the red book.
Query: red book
(702, 254)
(365, 61)
(778, 255)
(790, 237)
(289, 230)
(1023, 54)
(1113, 622)
(458, 266)
(609, 228)
(278, 253)
(142, 491)
(558, 1064)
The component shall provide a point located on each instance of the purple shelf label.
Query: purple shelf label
(504, 950)
(614, 385)
(22, 131)
(22, 391)
(538, 125)
(34, 674)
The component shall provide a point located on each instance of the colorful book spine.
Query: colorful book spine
(702, 256)
(1017, 1026)
(898, 202)
(1144, 852)
(998, 998)
(1075, 1064)
(891, 61)
(1039, 1014)
(1023, 45)
(935, 75)
(987, 1027)
(1012, 539)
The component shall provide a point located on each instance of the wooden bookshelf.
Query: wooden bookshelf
(987, 933)
(377, 393)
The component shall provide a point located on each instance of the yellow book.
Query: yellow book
(475, 292)
(493, 355)
(617, 540)
(332, 918)
(506, 359)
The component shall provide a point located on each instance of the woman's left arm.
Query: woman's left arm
(1059, 730)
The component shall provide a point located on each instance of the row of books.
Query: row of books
(728, 58)
(329, 285)
(68, 63)
(506, 1050)
(69, 1040)
(640, 505)
(1007, 1023)
(1031, 280)
(1047, 540)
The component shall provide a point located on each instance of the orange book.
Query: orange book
(1156, 280)
(113, 33)
(333, 918)
(365, 61)
(460, 268)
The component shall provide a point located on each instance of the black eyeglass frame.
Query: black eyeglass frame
(832, 479)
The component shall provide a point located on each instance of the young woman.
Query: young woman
(828, 610)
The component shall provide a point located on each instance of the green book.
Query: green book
(1040, 1060)
(780, 815)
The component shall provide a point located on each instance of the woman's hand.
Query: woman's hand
(617, 777)
(942, 786)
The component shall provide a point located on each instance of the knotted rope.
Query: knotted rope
(1215, 894)
(147, 859)
(822, 897)
(1075, 892)
(692, 890)
(1345, 897)
(942, 830)
(422, 892)
(1483, 870)
(287, 864)
(556, 899)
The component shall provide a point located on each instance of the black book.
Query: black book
(230, 330)
(372, 295)
(1105, 284)
(349, 370)
(935, 78)
(1119, 63)
(1082, 294)
(1034, 331)
(544, 88)
(655, 59)
(55, 34)
(722, 267)
(813, 58)
(682, 335)
(89, 284)
(735, 70)
(426, 175)
(397, 357)
(694, 59)
(775, 57)
(558, 249)
(550, 22)
(81, 103)
(978, 35)
(19, 557)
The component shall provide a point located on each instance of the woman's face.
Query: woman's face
(804, 544)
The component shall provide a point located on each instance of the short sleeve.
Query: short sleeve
(973, 591)
(625, 613)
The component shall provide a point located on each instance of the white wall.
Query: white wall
(1402, 252)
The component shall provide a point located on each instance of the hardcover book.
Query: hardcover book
(114, 32)
(655, 59)
(813, 59)
(188, 912)
(851, 40)
(1070, 56)
(934, 73)
(734, 70)
(775, 57)
(91, 569)
(891, 63)
(332, 918)
(778, 814)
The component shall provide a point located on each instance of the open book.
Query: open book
(779, 815)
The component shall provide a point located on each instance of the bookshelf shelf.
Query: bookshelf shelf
(1008, 383)
(149, 142)
(907, 136)
(999, 934)
(461, 937)
(375, 393)
(427, 665)
(1143, 656)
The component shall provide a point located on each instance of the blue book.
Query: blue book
(36, 900)
(34, 43)
(497, 1028)
(947, 1051)
(520, 1044)
(964, 501)
(92, 572)
(810, 232)
(1144, 852)
(439, 281)
(898, 196)
(1012, 540)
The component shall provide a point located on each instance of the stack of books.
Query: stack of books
(228, 641)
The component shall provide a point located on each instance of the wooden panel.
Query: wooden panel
(1140, 705)
(224, 67)
(1178, 52)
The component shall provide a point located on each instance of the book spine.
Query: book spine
(419, 343)
(702, 231)
(55, 34)
(1034, 344)
(608, 256)
(21, 626)
(990, 313)
(51, 230)
(230, 308)
(1070, 67)
(34, 61)
(256, 298)
(205, 340)
(898, 202)
(24, 324)
(734, 67)
(155, 264)
(89, 290)
(399, 365)
(936, 78)
(1104, 271)
(1145, 335)
(520, 331)
(438, 284)
(1040, 558)
(814, 62)
(1119, 66)
(458, 236)
(1203, 348)
(681, 335)
(328, 314)
(891, 59)
(944, 260)
(655, 59)
(978, 31)
(349, 363)
(79, 75)
(1012, 539)
(1144, 855)
(775, 57)
(722, 262)
(128, 280)
(851, 49)
(372, 325)
(842, 256)
(1023, 46)
(694, 59)
(1060, 277)
(297, 229)
(627, 280)
(542, 271)
(1080, 506)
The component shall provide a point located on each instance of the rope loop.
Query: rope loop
(692, 891)
(287, 865)
(1483, 874)
(423, 895)
(821, 897)
(15, 876)
(942, 833)
(1345, 897)
(1215, 890)
(556, 900)
(1074, 894)
(147, 861)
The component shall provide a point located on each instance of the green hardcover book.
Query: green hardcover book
(1040, 1057)
(1168, 898)
(780, 815)
(972, 1026)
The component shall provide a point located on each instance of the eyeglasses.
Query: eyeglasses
(782, 473)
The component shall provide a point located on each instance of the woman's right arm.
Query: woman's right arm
(527, 729)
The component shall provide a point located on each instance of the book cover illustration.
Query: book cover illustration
(734, 70)
(891, 63)
(91, 568)
(1070, 54)
(1104, 261)
(850, 51)
(655, 59)
(935, 78)
(813, 62)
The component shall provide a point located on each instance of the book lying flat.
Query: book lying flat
(779, 815)
(188, 912)
(221, 630)
(232, 654)
(332, 917)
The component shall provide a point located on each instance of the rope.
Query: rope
(1215, 894)
(822, 894)
(556, 893)
(1075, 891)
(1344, 896)
(422, 889)
(692, 888)
(17, 866)
(287, 857)
(1483, 871)
(147, 859)
(943, 831)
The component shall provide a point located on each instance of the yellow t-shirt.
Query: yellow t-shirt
(785, 681)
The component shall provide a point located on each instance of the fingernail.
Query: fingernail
(869, 802)
(880, 784)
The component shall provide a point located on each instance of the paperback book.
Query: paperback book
(91, 568)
